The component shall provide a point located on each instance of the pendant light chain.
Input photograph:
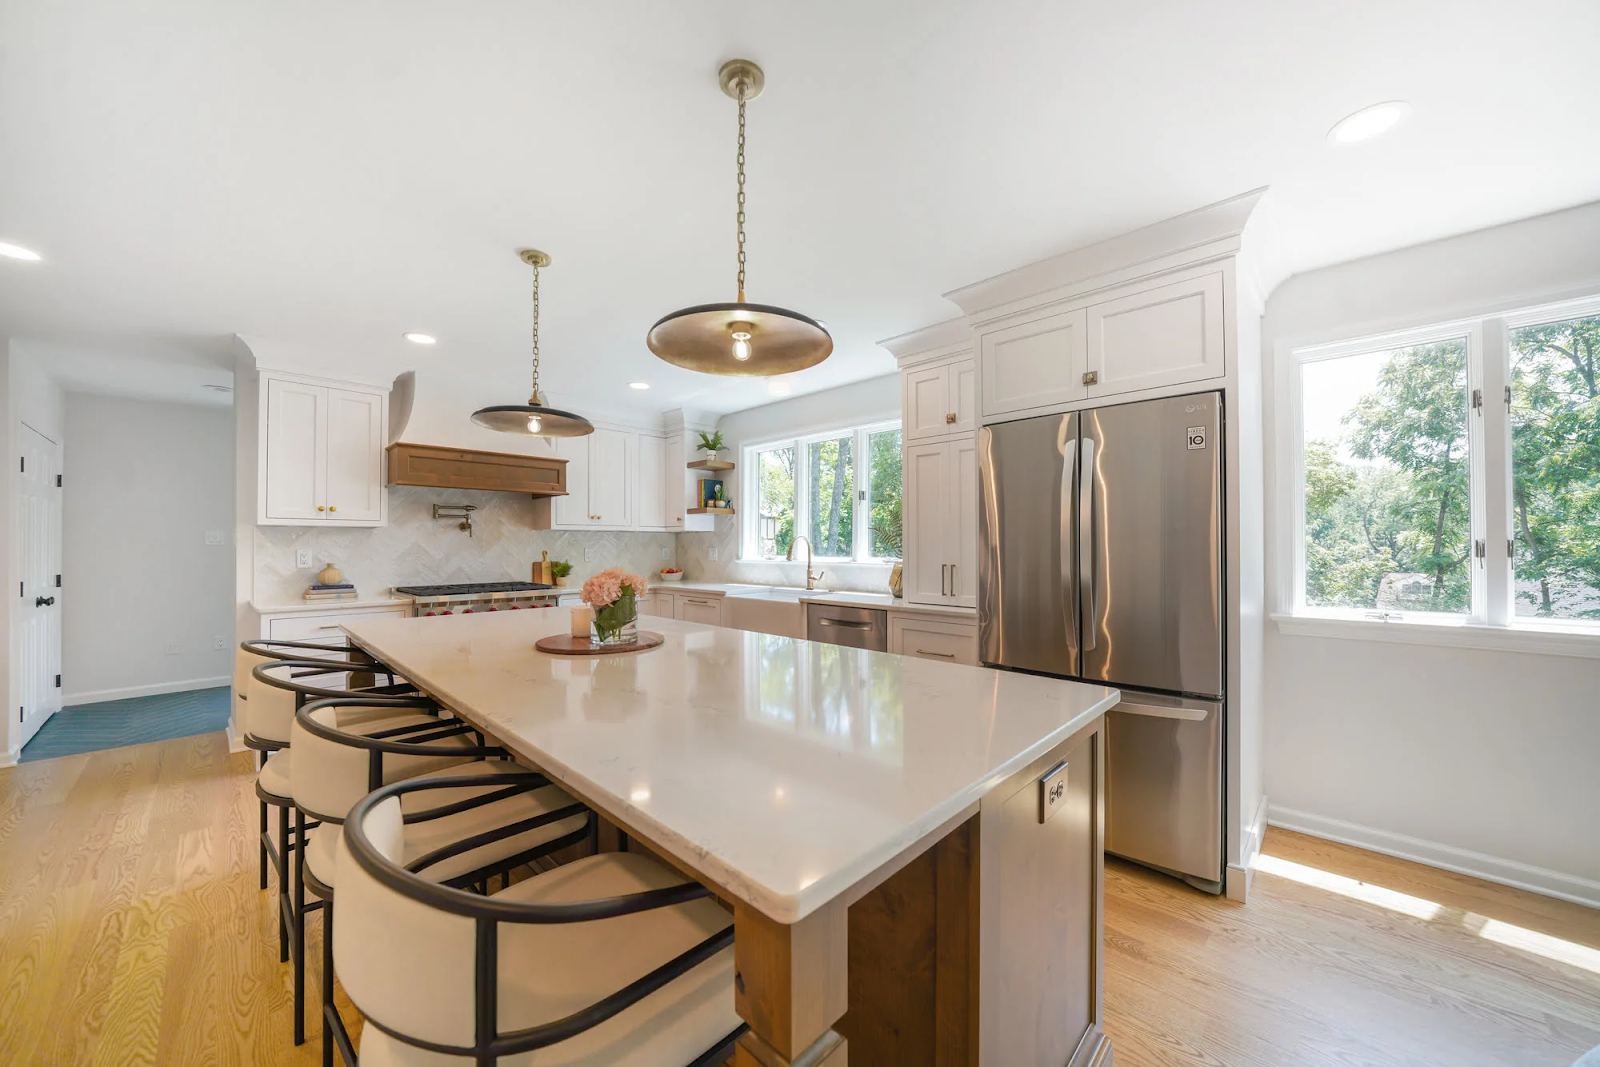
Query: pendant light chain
(741, 192)
(535, 398)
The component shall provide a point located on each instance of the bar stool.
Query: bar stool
(471, 833)
(278, 686)
(611, 960)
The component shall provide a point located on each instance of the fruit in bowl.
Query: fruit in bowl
(671, 574)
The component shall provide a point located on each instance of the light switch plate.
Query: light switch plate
(302, 557)
(219, 642)
(213, 537)
(172, 648)
(712, 555)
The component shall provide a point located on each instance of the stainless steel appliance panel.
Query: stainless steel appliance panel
(1027, 577)
(1164, 785)
(857, 627)
(1150, 509)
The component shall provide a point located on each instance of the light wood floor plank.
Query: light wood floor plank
(132, 932)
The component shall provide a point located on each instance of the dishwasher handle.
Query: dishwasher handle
(846, 624)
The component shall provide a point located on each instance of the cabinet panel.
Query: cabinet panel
(926, 570)
(1164, 336)
(656, 605)
(961, 522)
(1032, 364)
(706, 610)
(953, 642)
(573, 509)
(927, 403)
(295, 450)
(328, 627)
(964, 396)
(355, 456)
(608, 478)
(651, 478)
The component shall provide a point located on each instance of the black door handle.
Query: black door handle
(44, 601)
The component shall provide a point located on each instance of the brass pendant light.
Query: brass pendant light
(738, 338)
(535, 418)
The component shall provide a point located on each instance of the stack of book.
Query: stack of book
(342, 591)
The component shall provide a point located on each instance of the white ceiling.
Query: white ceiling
(331, 175)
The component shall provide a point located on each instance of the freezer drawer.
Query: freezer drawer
(856, 627)
(1164, 785)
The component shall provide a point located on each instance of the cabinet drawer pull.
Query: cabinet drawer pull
(321, 507)
(943, 575)
(1091, 377)
(846, 624)
(692, 600)
(930, 652)
(335, 626)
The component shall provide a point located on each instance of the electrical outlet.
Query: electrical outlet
(219, 642)
(712, 555)
(213, 537)
(172, 648)
(302, 557)
(666, 553)
(588, 554)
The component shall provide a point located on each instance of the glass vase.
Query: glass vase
(616, 623)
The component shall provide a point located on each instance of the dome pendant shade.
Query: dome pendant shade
(535, 418)
(707, 339)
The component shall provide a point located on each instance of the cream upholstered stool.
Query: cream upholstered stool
(465, 835)
(277, 688)
(611, 960)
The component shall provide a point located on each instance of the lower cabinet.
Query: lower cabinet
(953, 640)
(305, 626)
(941, 532)
(702, 609)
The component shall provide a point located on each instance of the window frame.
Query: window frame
(860, 537)
(1491, 622)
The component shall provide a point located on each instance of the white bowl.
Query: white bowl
(665, 577)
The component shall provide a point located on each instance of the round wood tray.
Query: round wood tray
(567, 645)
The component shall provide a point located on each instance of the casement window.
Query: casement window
(1449, 476)
(839, 489)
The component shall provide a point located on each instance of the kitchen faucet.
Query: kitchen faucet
(811, 579)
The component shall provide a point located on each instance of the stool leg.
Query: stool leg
(283, 889)
(262, 842)
(328, 1010)
(299, 914)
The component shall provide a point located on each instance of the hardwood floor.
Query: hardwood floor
(132, 932)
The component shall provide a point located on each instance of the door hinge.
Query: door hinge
(58, 481)
(1508, 398)
(58, 681)
(1511, 547)
(23, 460)
(58, 581)
(22, 589)
(21, 713)
(1477, 401)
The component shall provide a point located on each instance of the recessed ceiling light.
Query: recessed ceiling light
(1369, 122)
(18, 252)
(778, 388)
(638, 385)
(420, 338)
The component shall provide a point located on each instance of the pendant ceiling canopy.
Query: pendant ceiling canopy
(740, 338)
(535, 418)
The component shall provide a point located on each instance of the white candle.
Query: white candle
(582, 616)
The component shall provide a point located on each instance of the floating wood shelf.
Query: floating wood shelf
(710, 465)
(710, 511)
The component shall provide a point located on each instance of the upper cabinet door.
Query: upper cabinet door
(294, 462)
(355, 456)
(1165, 336)
(926, 408)
(573, 509)
(963, 381)
(652, 482)
(926, 573)
(609, 475)
(1032, 364)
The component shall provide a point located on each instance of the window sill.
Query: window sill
(1530, 638)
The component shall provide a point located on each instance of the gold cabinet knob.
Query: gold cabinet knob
(332, 508)
(949, 416)
(321, 508)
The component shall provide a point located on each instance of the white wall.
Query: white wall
(144, 483)
(873, 400)
(1487, 762)
(27, 395)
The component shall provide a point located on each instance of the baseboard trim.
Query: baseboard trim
(100, 696)
(1446, 857)
(7, 759)
(1240, 877)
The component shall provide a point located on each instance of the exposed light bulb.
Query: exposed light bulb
(533, 424)
(741, 349)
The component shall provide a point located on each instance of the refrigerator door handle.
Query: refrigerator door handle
(1069, 467)
(1156, 712)
(1087, 579)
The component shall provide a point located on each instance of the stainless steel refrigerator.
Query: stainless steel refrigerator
(1100, 538)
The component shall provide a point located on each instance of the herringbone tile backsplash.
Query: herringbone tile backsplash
(415, 548)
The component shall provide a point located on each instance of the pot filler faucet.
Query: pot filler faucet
(811, 579)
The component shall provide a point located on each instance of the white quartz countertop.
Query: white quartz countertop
(784, 770)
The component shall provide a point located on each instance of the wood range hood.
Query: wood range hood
(443, 467)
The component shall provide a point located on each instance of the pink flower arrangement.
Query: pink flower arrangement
(608, 586)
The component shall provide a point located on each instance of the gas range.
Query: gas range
(469, 597)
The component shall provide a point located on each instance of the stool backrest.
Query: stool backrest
(279, 686)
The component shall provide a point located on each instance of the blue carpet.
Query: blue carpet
(134, 721)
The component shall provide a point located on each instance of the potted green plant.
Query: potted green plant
(559, 569)
(712, 443)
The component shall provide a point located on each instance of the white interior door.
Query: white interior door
(297, 450)
(39, 633)
(355, 456)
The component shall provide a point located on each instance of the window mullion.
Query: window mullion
(1492, 476)
(859, 489)
(802, 490)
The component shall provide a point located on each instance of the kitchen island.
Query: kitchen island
(911, 849)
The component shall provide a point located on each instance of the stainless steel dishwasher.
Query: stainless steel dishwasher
(857, 627)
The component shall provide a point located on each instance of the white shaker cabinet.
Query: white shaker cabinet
(940, 482)
(702, 609)
(321, 457)
(939, 400)
(600, 480)
(650, 501)
(1169, 335)
(1033, 364)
